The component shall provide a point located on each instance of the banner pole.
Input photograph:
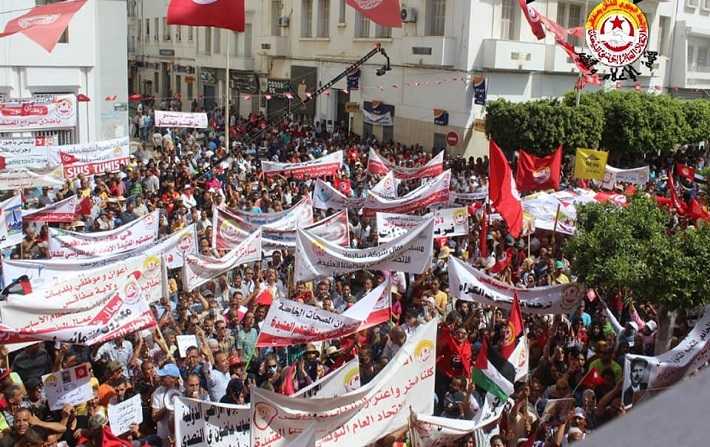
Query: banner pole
(228, 91)
(554, 228)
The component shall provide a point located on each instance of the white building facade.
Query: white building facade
(90, 59)
(299, 45)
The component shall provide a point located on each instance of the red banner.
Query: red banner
(321, 167)
(379, 166)
(60, 212)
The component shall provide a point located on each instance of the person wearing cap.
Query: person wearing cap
(559, 277)
(162, 412)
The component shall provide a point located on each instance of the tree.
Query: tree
(697, 115)
(632, 250)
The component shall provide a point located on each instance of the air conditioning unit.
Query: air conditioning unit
(408, 15)
(283, 22)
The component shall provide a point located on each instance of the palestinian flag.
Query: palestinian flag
(493, 373)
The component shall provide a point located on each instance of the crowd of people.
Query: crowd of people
(184, 173)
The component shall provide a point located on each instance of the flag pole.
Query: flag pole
(228, 91)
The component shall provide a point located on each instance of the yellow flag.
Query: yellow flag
(590, 164)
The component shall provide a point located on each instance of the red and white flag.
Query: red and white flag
(44, 24)
(227, 14)
(538, 173)
(382, 12)
(502, 191)
(533, 18)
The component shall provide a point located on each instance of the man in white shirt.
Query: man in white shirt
(118, 349)
(218, 376)
(161, 402)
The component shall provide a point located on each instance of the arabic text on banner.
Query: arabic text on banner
(341, 381)
(230, 230)
(448, 222)
(430, 193)
(327, 165)
(360, 417)
(299, 215)
(410, 253)
(205, 424)
(378, 165)
(289, 322)
(642, 373)
(40, 113)
(181, 119)
(86, 318)
(24, 157)
(387, 186)
(58, 212)
(70, 386)
(141, 233)
(468, 284)
(199, 269)
(24, 178)
(637, 176)
(90, 158)
(326, 197)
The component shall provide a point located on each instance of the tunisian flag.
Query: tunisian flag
(44, 24)
(538, 173)
(227, 14)
(533, 18)
(382, 12)
(502, 191)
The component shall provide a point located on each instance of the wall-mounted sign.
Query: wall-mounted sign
(166, 52)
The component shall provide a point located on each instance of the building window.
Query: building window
(702, 59)
(276, 6)
(217, 37)
(383, 32)
(306, 18)
(178, 33)
(157, 28)
(506, 20)
(190, 35)
(178, 85)
(234, 43)
(323, 18)
(208, 40)
(569, 15)
(663, 28)
(341, 12)
(362, 26)
(247, 39)
(436, 17)
(147, 29)
(190, 94)
(166, 30)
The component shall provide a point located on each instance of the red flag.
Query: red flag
(265, 297)
(67, 159)
(685, 171)
(2, 163)
(227, 14)
(514, 328)
(483, 241)
(537, 173)
(592, 379)
(382, 12)
(533, 18)
(675, 200)
(697, 211)
(44, 24)
(502, 191)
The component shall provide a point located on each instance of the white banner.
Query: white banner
(85, 317)
(468, 284)
(387, 186)
(11, 222)
(22, 178)
(468, 197)
(165, 118)
(434, 431)
(58, 212)
(75, 280)
(430, 193)
(14, 157)
(124, 414)
(91, 158)
(357, 418)
(37, 140)
(229, 230)
(341, 381)
(653, 374)
(199, 269)
(637, 176)
(411, 253)
(175, 247)
(378, 165)
(299, 215)
(448, 222)
(206, 424)
(326, 197)
(292, 323)
(40, 113)
(327, 165)
(141, 233)
(71, 386)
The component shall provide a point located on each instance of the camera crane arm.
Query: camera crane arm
(351, 69)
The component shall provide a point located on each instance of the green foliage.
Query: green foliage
(630, 125)
(630, 249)
(541, 126)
